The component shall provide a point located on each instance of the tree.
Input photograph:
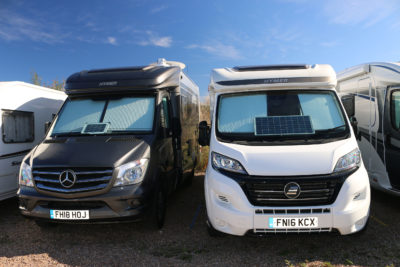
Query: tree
(55, 84)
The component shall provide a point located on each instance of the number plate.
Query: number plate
(69, 214)
(292, 222)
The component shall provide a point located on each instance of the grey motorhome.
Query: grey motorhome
(371, 94)
(24, 109)
(124, 139)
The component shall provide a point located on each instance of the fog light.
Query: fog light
(360, 222)
(134, 203)
(220, 222)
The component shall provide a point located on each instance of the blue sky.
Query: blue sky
(58, 38)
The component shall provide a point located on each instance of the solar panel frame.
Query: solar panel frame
(96, 130)
(283, 125)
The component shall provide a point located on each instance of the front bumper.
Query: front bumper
(118, 204)
(229, 210)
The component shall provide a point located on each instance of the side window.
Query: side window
(395, 106)
(18, 126)
(165, 113)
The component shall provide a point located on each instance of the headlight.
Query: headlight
(349, 161)
(25, 175)
(223, 162)
(131, 173)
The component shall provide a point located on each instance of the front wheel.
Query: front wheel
(159, 208)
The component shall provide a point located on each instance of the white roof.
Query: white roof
(24, 84)
(384, 73)
(272, 77)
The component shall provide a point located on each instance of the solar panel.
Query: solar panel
(283, 125)
(95, 128)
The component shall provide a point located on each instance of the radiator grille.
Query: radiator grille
(270, 190)
(87, 179)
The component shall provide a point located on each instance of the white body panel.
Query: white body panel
(369, 83)
(228, 207)
(20, 96)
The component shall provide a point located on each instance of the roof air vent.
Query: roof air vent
(272, 67)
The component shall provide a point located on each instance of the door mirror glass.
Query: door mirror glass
(47, 125)
(348, 104)
(395, 107)
(204, 133)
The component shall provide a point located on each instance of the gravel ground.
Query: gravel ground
(184, 240)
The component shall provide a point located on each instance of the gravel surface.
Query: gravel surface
(184, 240)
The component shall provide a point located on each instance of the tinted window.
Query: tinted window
(18, 126)
(396, 109)
(165, 113)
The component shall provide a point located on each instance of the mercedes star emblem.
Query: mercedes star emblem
(67, 178)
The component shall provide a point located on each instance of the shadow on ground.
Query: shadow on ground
(184, 240)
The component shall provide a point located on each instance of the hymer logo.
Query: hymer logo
(113, 83)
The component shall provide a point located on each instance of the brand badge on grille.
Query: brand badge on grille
(292, 190)
(67, 178)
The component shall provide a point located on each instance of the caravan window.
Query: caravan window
(18, 126)
(396, 109)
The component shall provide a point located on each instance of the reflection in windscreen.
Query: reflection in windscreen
(126, 114)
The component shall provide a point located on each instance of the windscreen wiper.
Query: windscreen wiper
(330, 129)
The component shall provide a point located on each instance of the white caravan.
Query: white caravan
(283, 155)
(371, 95)
(24, 110)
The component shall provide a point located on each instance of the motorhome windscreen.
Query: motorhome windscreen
(396, 109)
(123, 115)
(318, 111)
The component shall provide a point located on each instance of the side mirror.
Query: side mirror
(354, 124)
(47, 125)
(348, 104)
(204, 133)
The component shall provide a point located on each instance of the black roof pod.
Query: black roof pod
(119, 80)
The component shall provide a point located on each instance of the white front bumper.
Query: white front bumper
(235, 215)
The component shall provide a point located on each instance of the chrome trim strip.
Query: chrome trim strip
(91, 188)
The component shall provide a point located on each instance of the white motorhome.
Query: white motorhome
(283, 155)
(371, 95)
(24, 110)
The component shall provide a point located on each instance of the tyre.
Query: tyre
(159, 209)
(189, 180)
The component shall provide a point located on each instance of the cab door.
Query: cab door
(392, 136)
(166, 150)
(189, 121)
